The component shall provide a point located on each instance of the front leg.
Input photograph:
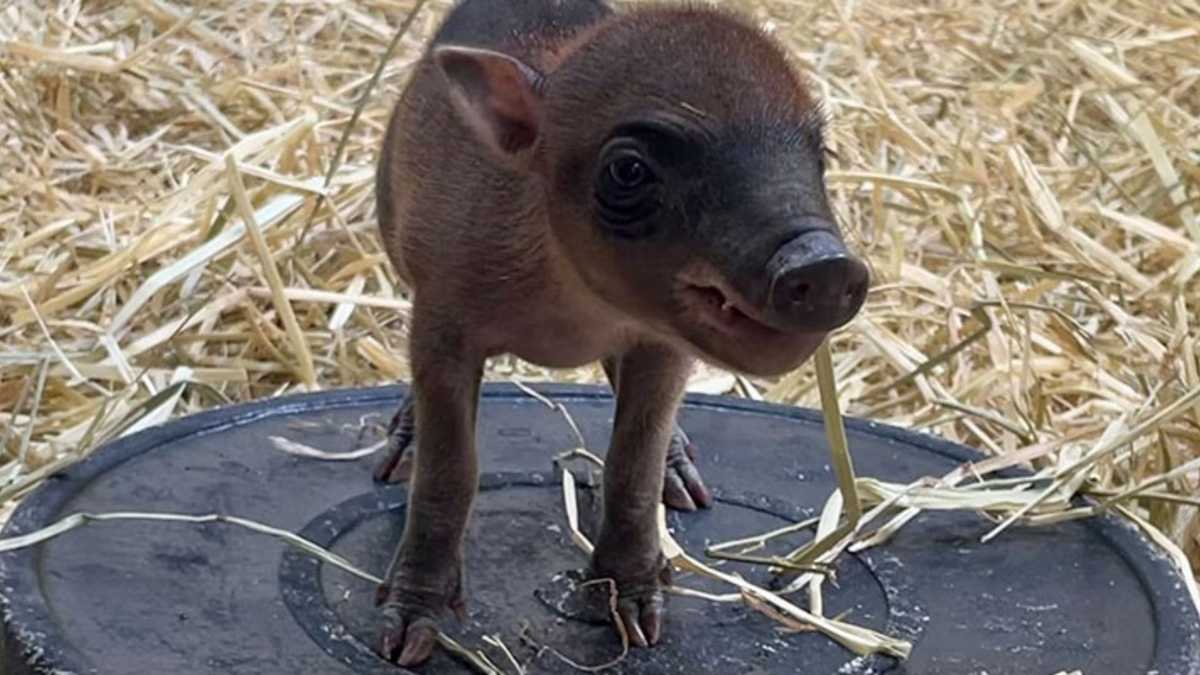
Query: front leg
(650, 386)
(425, 577)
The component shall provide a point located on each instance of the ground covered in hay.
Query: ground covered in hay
(1023, 177)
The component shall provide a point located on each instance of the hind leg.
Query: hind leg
(683, 488)
(397, 463)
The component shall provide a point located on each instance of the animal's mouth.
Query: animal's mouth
(713, 302)
(728, 329)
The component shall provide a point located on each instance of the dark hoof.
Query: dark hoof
(640, 601)
(397, 464)
(411, 612)
(405, 641)
(683, 488)
(398, 454)
(642, 618)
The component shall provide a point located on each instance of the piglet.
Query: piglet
(570, 184)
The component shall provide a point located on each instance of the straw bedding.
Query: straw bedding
(1022, 176)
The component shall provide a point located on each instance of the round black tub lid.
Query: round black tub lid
(163, 597)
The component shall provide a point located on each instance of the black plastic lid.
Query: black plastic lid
(158, 597)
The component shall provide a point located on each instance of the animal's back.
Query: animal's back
(513, 26)
(434, 182)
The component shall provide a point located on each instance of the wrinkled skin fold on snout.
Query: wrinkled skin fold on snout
(809, 287)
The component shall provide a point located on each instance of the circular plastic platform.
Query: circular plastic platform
(160, 597)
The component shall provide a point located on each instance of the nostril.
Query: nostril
(860, 280)
(800, 293)
(855, 291)
(815, 283)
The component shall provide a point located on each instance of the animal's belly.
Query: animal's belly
(563, 344)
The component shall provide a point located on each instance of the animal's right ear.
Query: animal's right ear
(495, 94)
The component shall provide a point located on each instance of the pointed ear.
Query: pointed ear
(495, 94)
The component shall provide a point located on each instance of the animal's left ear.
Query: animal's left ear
(495, 94)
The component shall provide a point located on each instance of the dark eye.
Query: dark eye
(626, 190)
(628, 172)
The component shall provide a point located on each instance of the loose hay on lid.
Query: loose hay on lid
(1023, 182)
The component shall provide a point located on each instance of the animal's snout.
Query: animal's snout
(816, 284)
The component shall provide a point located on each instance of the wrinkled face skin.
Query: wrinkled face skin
(679, 225)
(676, 213)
